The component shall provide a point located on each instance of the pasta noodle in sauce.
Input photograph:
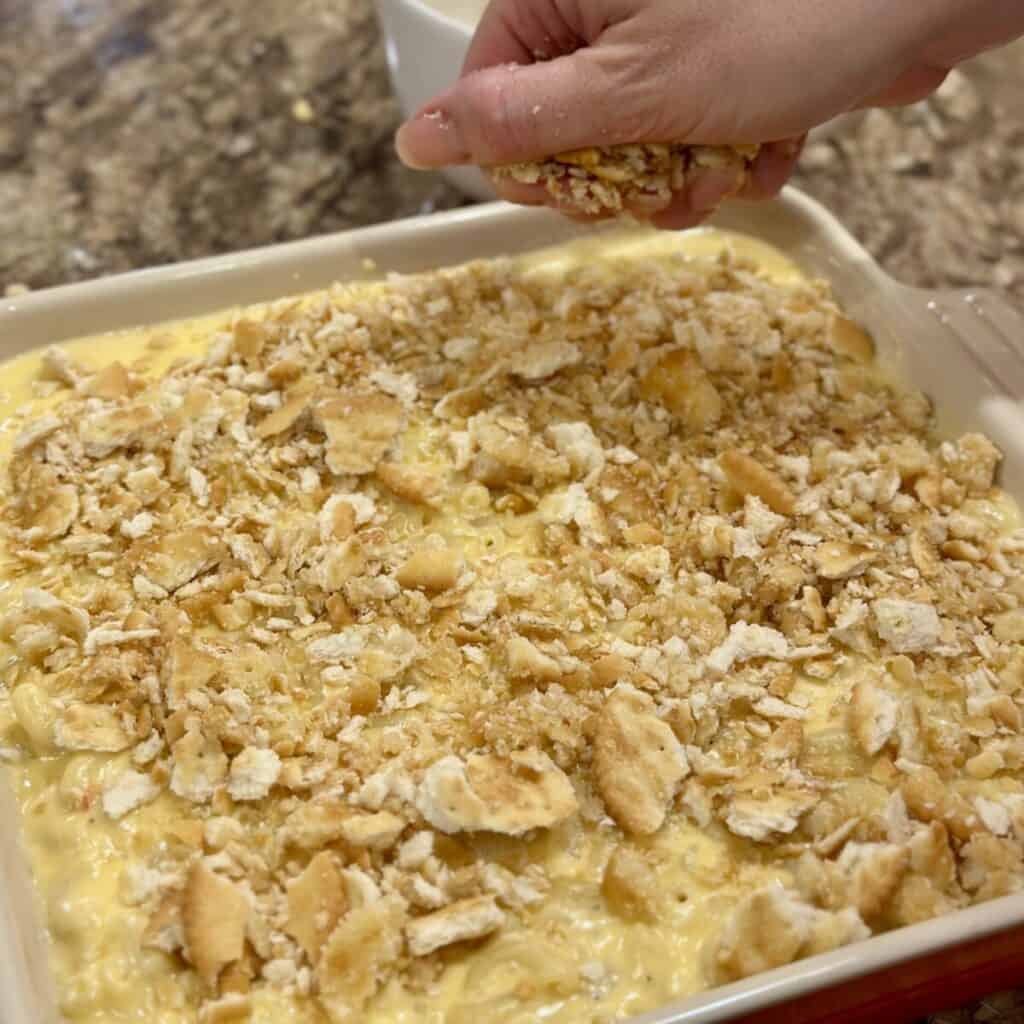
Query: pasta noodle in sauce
(551, 637)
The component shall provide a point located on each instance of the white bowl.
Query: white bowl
(425, 52)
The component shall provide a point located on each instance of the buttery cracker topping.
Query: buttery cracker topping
(613, 179)
(403, 616)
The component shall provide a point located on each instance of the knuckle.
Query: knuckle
(492, 121)
(643, 111)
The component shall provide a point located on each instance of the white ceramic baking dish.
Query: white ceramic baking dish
(964, 349)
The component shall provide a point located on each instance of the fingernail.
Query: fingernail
(712, 186)
(430, 139)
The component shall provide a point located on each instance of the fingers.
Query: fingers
(527, 89)
(520, 193)
(501, 115)
(537, 195)
(514, 32)
(678, 217)
(770, 172)
(702, 196)
(690, 207)
(708, 189)
(773, 167)
(497, 115)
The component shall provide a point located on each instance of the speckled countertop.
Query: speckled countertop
(139, 132)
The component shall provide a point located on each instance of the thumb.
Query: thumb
(511, 113)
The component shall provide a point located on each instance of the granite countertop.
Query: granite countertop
(140, 132)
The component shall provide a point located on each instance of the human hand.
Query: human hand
(546, 76)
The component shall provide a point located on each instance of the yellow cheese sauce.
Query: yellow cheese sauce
(568, 960)
(575, 962)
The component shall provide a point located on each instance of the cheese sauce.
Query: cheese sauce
(103, 974)
(567, 961)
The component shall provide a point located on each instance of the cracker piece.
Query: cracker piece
(510, 795)
(316, 901)
(638, 762)
(459, 922)
(214, 915)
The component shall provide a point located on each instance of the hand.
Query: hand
(546, 76)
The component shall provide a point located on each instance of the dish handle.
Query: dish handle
(988, 327)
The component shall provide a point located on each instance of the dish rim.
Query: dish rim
(277, 269)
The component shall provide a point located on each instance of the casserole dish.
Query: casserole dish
(974, 383)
